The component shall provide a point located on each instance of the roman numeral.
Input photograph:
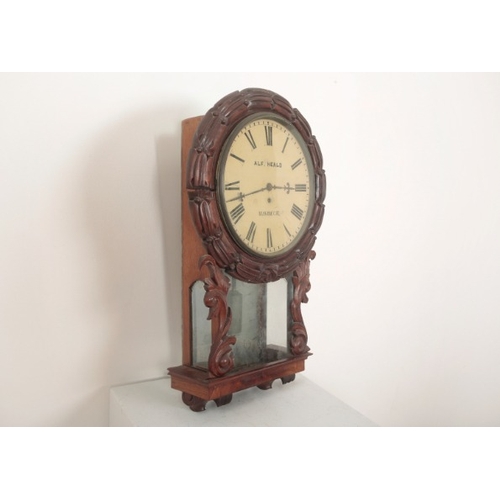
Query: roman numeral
(300, 188)
(251, 232)
(298, 212)
(237, 213)
(296, 164)
(287, 231)
(237, 158)
(269, 238)
(286, 142)
(233, 186)
(269, 135)
(249, 136)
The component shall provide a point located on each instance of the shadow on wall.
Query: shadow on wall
(130, 190)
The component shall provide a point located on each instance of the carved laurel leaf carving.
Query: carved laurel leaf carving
(214, 129)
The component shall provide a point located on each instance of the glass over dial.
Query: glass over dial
(265, 185)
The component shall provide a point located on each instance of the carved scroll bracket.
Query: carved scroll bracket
(301, 285)
(217, 284)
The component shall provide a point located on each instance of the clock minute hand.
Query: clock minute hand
(240, 197)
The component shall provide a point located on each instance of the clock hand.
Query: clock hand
(287, 187)
(268, 187)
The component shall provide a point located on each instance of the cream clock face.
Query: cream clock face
(266, 185)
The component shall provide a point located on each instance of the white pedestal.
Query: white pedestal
(300, 403)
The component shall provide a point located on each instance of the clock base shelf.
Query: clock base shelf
(198, 387)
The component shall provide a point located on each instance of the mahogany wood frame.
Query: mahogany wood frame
(211, 135)
(203, 231)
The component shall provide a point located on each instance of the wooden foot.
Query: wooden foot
(266, 385)
(224, 400)
(196, 404)
(288, 378)
(285, 380)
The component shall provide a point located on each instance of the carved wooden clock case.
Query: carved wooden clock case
(252, 203)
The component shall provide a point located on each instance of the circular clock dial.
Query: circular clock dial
(265, 185)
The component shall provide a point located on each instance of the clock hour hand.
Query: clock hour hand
(287, 188)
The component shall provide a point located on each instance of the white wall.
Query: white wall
(403, 317)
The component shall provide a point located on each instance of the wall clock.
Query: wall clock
(252, 203)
